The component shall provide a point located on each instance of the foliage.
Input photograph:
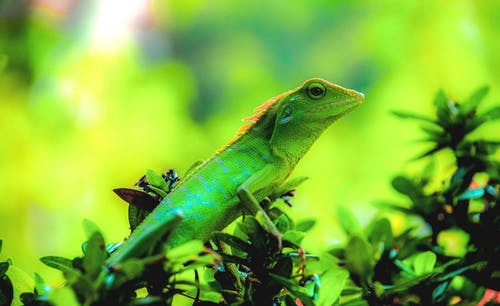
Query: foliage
(454, 264)
(457, 261)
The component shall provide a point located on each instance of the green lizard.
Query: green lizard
(245, 171)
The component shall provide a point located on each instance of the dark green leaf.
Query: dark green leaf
(4, 266)
(94, 258)
(348, 220)
(283, 267)
(305, 225)
(295, 289)
(1, 243)
(59, 263)
(359, 259)
(282, 223)
(406, 115)
(471, 104)
(135, 216)
(443, 110)
(90, 228)
(490, 115)
(40, 287)
(234, 242)
(380, 232)
(404, 185)
(6, 291)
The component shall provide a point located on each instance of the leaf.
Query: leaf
(94, 258)
(358, 256)
(4, 266)
(490, 115)
(332, 284)
(295, 289)
(135, 216)
(137, 198)
(63, 297)
(21, 282)
(295, 237)
(348, 220)
(380, 232)
(471, 104)
(442, 105)
(406, 115)
(156, 180)
(162, 193)
(185, 252)
(1, 243)
(6, 290)
(404, 185)
(40, 286)
(234, 242)
(282, 223)
(60, 263)
(305, 225)
(424, 262)
(90, 228)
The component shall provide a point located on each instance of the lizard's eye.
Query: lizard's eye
(316, 91)
(286, 115)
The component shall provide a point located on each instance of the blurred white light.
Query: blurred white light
(116, 21)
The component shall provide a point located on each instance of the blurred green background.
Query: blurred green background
(93, 93)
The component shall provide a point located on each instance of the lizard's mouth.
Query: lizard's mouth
(339, 108)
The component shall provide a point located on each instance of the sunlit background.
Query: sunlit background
(94, 92)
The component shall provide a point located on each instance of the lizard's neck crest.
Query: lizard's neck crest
(252, 120)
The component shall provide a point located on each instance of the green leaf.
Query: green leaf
(294, 288)
(305, 225)
(332, 284)
(295, 237)
(471, 104)
(6, 290)
(1, 243)
(4, 266)
(404, 185)
(40, 286)
(490, 115)
(156, 180)
(162, 193)
(185, 252)
(406, 115)
(443, 110)
(234, 242)
(60, 263)
(193, 167)
(89, 227)
(359, 259)
(424, 262)
(348, 220)
(94, 258)
(380, 233)
(63, 297)
(21, 282)
(282, 223)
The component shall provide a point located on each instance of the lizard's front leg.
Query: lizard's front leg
(255, 184)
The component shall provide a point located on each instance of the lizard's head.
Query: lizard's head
(304, 113)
